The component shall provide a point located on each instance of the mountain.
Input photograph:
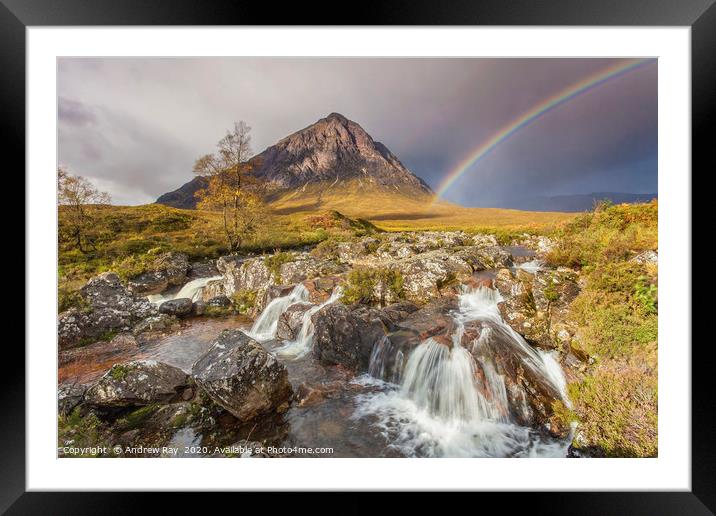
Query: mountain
(332, 154)
(578, 202)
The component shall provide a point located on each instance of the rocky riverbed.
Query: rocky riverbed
(388, 345)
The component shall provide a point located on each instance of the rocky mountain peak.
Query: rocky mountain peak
(332, 151)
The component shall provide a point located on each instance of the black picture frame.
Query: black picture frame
(700, 15)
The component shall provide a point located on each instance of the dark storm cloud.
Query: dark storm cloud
(136, 125)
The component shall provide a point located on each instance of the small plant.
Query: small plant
(551, 293)
(244, 300)
(646, 293)
(369, 286)
(118, 372)
(275, 261)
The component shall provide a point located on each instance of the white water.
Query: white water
(265, 326)
(191, 290)
(533, 266)
(440, 409)
(303, 344)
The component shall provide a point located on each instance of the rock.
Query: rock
(178, 307)
(219, 301)
(270, 294)
(203, 270)
(303, 266)
(431, 320)
(160, 322)
(213, 289)
(69, 396)
(111, 308)
(243, 274)
(529, 393)
(346, 336)
(290, 322)
(536, 305)
(137, 383)
(168, 270)
(646, 258)
(239, 375)
(198, 308)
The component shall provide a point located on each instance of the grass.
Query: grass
(372, 286)
(617, 326)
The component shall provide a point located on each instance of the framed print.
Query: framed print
(449, 252)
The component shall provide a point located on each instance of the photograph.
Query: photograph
(357, 257)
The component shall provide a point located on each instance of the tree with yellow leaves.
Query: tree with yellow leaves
(232, 187)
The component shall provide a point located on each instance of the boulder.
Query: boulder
(239, 375)
(303, 266)
(168, 270)
(69, 396)
(198, 308)
(290, 322)
(243, 274)
(178, 307)
(536, 305)
(137, 383)
(530, 394)
(346, 336)
(219, 302)
(160, 322)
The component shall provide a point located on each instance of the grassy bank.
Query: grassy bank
(615, 399)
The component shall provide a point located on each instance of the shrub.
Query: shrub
(244, 300)
(370, 286)
(275, 261)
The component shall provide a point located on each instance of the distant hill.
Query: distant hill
(334, 153)
(578, 202)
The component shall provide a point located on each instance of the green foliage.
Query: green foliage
(646, 293)
(275, 261)
(610, 233)
(68, 298)
(244, 300)
(370, 286)
(118, 372)
(551, 293)
(82, 431)
(136, 418)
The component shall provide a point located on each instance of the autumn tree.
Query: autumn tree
(232, 188)
(76, 195)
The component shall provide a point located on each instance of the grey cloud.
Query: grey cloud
(139, 123)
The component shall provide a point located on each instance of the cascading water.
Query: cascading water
(191, 290)
(303, 344)
(264, 328)
(443, 407)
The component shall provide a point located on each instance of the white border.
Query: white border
(670, 471)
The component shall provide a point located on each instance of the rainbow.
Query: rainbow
(533, 114)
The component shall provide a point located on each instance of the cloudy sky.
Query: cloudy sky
(134, 126)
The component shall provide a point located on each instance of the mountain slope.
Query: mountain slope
(332, 154)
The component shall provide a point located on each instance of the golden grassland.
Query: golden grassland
(128, 237)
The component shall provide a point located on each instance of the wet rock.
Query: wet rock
(213, 289)
(243, 274)
(69, 396)
(290, 322)
(198, 308)
(271, 293)
(160, 322)
(219, 302)
(431, 320)
(536, 305)
(530, 393)
(346, 336)
(203, 270)
(169, 269)
(137, 383)
(309, 394)
(177, 307)
(239, 375)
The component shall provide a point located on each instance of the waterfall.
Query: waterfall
(533, 266)
(264, 328)
(191, 290)
(451, 402)
(303, 344)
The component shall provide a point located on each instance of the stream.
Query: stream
(439, 401)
